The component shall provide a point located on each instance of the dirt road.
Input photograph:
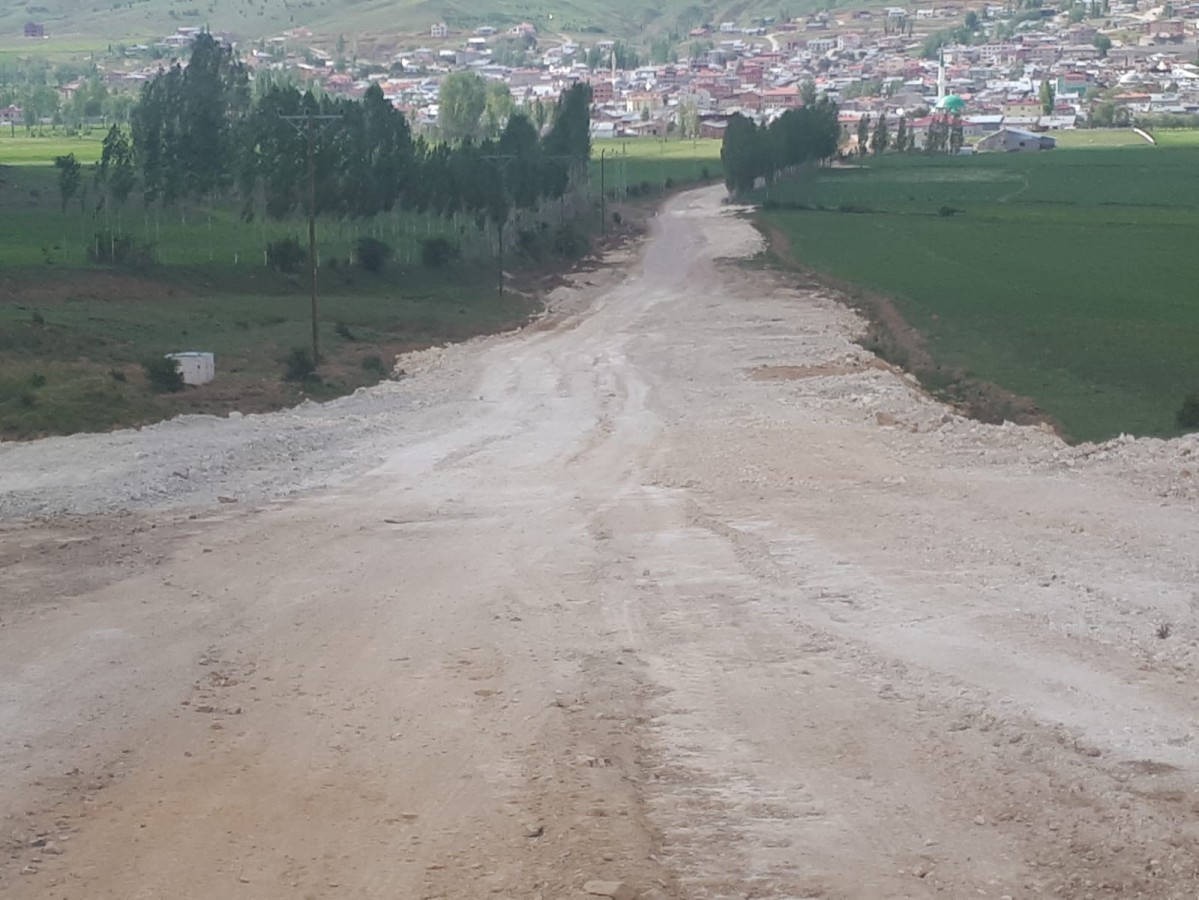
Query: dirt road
(678, 588)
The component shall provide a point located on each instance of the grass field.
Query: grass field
(653, 162)
(72, 334)
(1066, 277)
(17, 149)
(82, 24)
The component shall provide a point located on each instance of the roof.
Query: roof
(952, 102)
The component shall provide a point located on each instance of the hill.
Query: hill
(84, 23)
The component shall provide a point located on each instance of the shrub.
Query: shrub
(669, 183)
(37, 319)
(569, 243)
(163, 374)
(437, 252)
(372, 253)
(117, 375)
(343, 330)
(705, 174)
(646, 188)
(110, 250)
(28, 400)
(285, 255)
(617, 218)
(299, 365)
(1187, 416)
(37, 380)
(947, 211)
(374, 365)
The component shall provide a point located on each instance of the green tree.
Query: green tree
(461, 104)
(972, 20)
(116, 172)
(956, 135)
(570, 135)
(863, 134)
(498, 106)
(740, 152)
(901, 135)
(881, 138)
(1103, 44)
(1048, 97)
(688, 119)
(70, 176)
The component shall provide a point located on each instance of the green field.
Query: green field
(83, 24)
(1067, 277)
(19, 150)
(655, 163)
(72, 333)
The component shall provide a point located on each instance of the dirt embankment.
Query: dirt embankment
(891, 337)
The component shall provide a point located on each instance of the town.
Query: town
(1017, 69)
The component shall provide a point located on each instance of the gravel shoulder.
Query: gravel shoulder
(678, 587)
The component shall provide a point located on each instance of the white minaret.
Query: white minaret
(940, 76)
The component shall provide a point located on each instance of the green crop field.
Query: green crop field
(639, 162)
(1067, 277)
(16, 149)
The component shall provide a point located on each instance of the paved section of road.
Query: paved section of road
(679, 587)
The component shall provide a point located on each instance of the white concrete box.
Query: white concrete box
(195, 367)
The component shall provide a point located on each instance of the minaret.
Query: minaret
(940, 76)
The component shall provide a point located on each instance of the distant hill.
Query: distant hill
(95, 22)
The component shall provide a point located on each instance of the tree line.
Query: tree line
(804, 135)
(200, 134)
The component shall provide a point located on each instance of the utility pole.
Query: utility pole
(306, 125)
(501, 163)
(603, 194)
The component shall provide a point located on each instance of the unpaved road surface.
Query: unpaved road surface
(678, 587)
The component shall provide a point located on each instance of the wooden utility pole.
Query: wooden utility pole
(306, 124)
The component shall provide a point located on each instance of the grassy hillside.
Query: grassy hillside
(75, 24)
(1063, 277)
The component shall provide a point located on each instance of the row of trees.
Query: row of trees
(198, 134)
(945, 135)
(751, 152)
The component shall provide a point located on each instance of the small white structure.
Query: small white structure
(195, 367)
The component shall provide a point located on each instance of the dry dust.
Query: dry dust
(681, 588)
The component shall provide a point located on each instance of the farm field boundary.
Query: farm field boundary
(1066, 278)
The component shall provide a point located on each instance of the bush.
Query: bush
(108, 249)
(374, 365)
(28, 400)
(163, 374)
(342, 330)
(1187, 416)
(299, 365)
(117, 375)
(438, 252)
(37, 380)
(37, 319)
(372, 253)
(285, 255)
(646, 188)
(946, 211)
(569, 243)
(617, 218)
(705, 174)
